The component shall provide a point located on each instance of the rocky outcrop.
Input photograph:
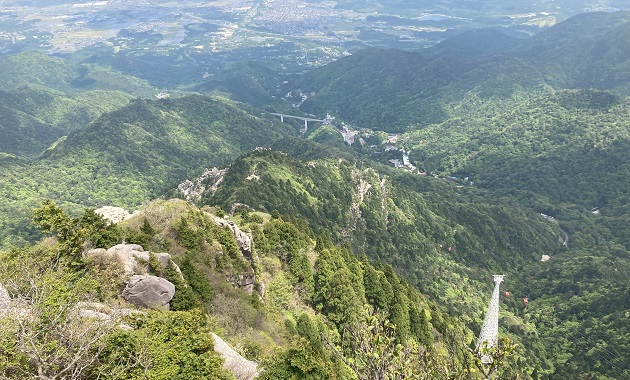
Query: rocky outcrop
(5, 299)
(133, 258)
(114, 214)
(149, 291)
(243, 239)
(208, 182)
(241, 368)
(246, 281)
(141, 289)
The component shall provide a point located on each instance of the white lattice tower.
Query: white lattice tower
(490, 329)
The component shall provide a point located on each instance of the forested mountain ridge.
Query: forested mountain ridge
(447, 240)
(66, 75)
(563, 154)
(548, 130)
(132, 155)
(248, 82)
(421, 224)
(479, 43)
(22, 133)
(569, 284)
(585, 51)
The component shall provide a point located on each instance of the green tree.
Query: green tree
(339, 293)
(369, 348)
(185, 297)
(378, 290)
(490, 359)
(187, 237)
(75, 234)
(305, 358)
(163, 345)
(196, 279)
(49, 337)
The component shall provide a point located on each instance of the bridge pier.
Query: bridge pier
(306, 119)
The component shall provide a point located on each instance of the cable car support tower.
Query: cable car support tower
(490, 329)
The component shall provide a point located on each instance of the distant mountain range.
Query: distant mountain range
(394, 90)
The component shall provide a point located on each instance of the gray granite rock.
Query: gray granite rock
(133, 257)
(149, 291)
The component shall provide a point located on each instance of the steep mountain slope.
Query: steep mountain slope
(447, 240)
(423, 226)
(282, 296)
(578, 302)
(132, 155)
(370, 87)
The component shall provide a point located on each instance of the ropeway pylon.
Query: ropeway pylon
(490, 329)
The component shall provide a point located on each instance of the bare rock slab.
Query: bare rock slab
(241, 368)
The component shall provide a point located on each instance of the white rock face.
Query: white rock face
(114, 214)
(149, 291)
(5, 299)
(545, 258)
(241, 368)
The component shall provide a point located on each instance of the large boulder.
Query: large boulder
(149, 291)
(134, 259)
